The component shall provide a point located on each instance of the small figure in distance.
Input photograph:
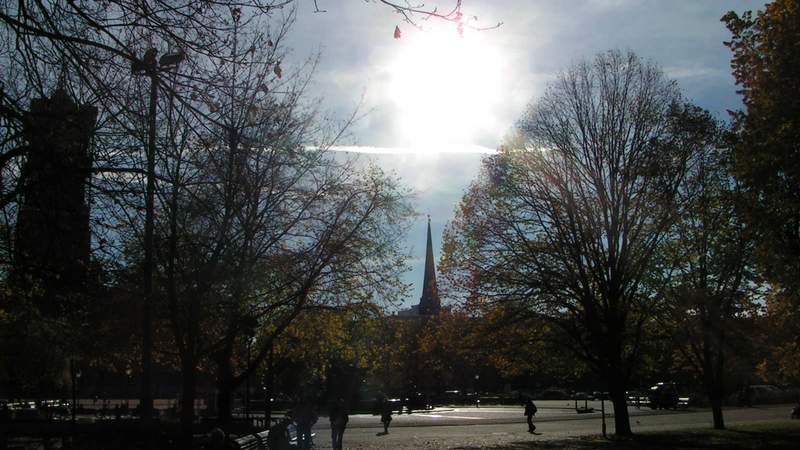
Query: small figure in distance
(338, 418)
(386, 415)
(530, 411)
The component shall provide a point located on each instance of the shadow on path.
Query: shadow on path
(779, 435)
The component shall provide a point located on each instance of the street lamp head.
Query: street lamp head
(171, 60)
(145, 65)
(148, 65)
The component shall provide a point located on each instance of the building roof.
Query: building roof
(429, 301)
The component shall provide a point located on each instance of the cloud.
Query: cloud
(538, 39)
(681, 73)
(472, 148)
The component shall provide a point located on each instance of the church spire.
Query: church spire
(429, 302)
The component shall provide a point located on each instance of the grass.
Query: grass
(773, 435)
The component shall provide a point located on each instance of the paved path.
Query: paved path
(459, 415)
(471, 428)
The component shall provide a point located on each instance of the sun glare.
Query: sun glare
(445, 89)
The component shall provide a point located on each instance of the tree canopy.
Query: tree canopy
(565, 221)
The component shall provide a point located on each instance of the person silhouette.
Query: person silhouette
(305, 417)
(278, 437)
(386, 415)
(530, 411)
(338, 417)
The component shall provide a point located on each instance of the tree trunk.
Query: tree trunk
(224, 405)
(622, 423)
(610, 349)
(715, 390)
(716, 410)
(713, 362)
(224, 392)
(188, 395)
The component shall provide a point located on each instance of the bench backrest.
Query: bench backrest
(262, 438)
(249, 442)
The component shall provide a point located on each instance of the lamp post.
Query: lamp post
(269, 388)
(603, 411)
(75, 375)
(250, 343)
(150, 67)
(477, 397)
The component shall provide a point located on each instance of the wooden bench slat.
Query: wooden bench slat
(249, 442)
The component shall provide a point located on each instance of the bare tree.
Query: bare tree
(564, 222)
(268, 227)
(710, 255)
(415, 13)
(255, 227)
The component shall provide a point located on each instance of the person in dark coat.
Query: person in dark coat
(305, 417)
(338, 418)
(530, 411)
(278, 437)
(386, 415)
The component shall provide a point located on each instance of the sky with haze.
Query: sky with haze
(435, 102)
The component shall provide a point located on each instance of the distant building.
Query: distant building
(52, 230)
(429, 304)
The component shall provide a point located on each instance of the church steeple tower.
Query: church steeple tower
(429, 302)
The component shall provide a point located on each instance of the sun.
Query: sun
(446, 89)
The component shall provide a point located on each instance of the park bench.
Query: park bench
(257, 441)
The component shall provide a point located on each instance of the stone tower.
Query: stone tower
(429, 302)
(52, 232)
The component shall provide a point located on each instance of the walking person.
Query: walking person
(338, 417)
(530, 411)
(278, 437)
(386, 415)
(305, 417)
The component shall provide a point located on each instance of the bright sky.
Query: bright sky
(436, 100)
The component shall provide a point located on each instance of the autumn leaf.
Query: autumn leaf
(212, 106)
(252, 113)
(397, 32)
(278, 71)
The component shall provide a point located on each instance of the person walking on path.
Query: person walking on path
(386, 415)
(278, 437)
(338, 418)
(305, 416)
(530, 411)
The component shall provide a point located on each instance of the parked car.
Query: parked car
(416, 401)
(762, 394)
(554, 394)
(663, 396)
(637, 398)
